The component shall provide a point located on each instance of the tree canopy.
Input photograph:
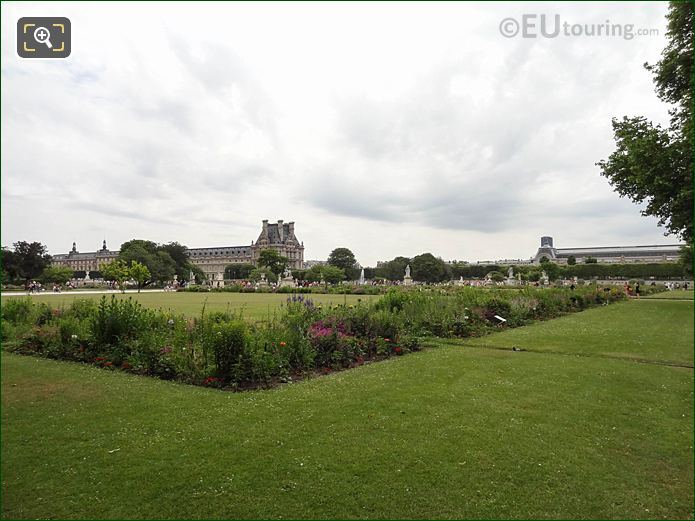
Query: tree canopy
(26, 261)
(272, 259)
(651, 164)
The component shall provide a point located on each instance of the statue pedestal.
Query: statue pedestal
(407, 280)
(287, 282)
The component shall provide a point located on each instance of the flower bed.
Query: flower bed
(222, 350)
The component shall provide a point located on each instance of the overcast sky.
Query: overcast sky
(388, 128)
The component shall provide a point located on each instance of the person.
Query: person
(685, 286)
(637, 289)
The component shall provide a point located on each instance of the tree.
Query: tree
(686, 259)
(327, 273)
(179, 254)
(117, 271)
(238, 271)
(651, 164)
(571, 260)
(272, 259)
(394, 269)
(255, 274)
(344, 259)
(496, 276)
(428, 268)
(139, 273)
(332, 274)
(27, 261)
(57, 274)
(157, 259)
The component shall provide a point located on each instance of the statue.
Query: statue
(510, 272)
(191, 277)
(86, 275)
(407, 280)
(361, 280)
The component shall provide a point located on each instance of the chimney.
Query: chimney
(291, 228)
(265, 226)
(281, 231)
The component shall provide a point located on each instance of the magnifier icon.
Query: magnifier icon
(43, 35)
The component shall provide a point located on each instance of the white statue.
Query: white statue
(510, 272)
(407, 271)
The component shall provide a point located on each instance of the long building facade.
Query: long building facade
(212, 261)
(608, 254)
(84, 261)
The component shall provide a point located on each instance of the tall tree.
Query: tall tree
(428, 268)
(28, 260)
(651, 164)
(344, 259)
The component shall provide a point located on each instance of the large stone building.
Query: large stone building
(608, 254)
(84, 261)
(277, 236)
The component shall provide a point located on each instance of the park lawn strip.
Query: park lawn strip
(255, 306)
(649, 330)
(676, 294)
(451, 432)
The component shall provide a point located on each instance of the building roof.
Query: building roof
(656, 249)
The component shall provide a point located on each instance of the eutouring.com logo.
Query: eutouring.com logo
(545, 26)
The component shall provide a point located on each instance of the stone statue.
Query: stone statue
(510, 272)
(407, 271)
(86, 275)
(191, 277)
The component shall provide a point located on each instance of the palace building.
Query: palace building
(608, 254)
(277, 236)
(86, 261)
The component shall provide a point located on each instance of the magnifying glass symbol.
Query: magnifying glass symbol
(43, 35)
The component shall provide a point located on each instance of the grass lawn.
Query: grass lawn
(256, 306)
(650, 330)
(676, 294)
(451, 432)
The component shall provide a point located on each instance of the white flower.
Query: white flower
(74, 337)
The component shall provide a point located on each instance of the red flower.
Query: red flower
(108, 364)
(99, 359)
(398, 350)
(283, 344)
(126, 365)
(387, 339)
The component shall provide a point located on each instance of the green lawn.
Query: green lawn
(450, 432)
(256, 306)
(658, 331)
(676, 294)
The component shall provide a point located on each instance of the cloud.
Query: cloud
(386, 131)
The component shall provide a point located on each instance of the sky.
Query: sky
(388, 128)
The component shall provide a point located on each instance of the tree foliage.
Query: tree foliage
(117, 271)
(272, 259)
(238, 271)
(428, 268)
(26, 261)
(344, 259)
(393, 270)
(57, 274)
(653, 165)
